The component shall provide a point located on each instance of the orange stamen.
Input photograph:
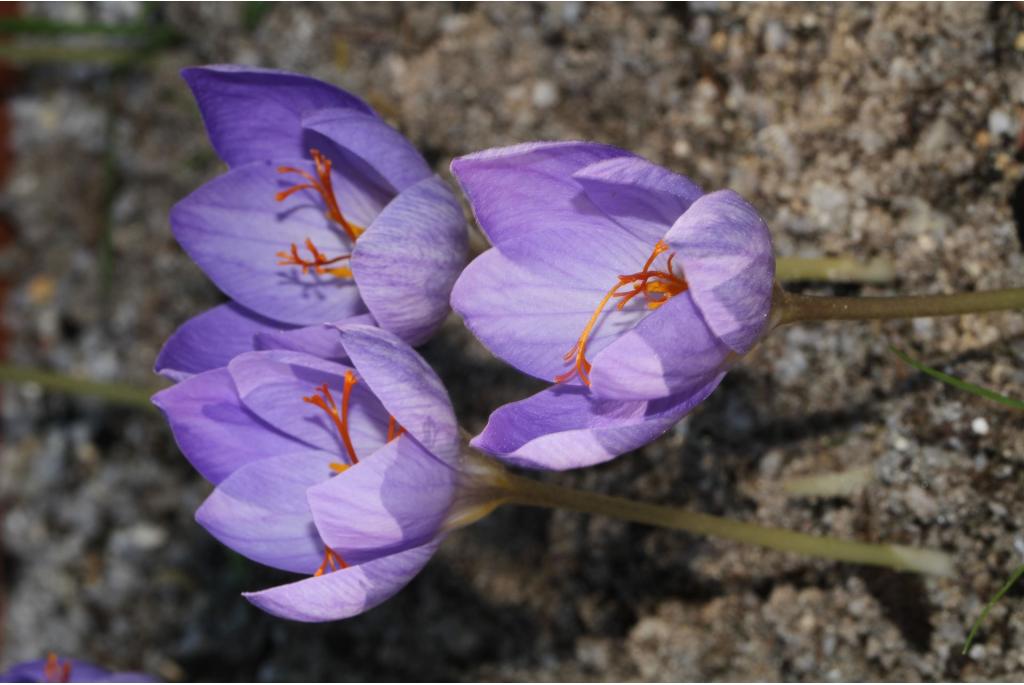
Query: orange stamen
(331, 559)
(56, 672)
(394, 430)
(325, 401)
(323, 185)
(317, 264)
(657, 287)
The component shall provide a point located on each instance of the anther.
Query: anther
(323, 185)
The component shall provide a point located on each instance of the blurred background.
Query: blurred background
(863, 130)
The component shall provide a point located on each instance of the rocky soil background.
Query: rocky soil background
(865, 130)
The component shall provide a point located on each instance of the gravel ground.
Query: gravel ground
(868, 130)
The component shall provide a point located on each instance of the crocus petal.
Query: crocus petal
(522, 188)
(234, 228)
(255, 114)
(529, 300)
(213, 430)
(672, 351)
(408, 259)
(211, 340)
(345, 593)
(725, 250)
(566, 427)
(407, 387)
(272, 385)
(79, 672)
(320, 340)
(395, 499)
(369, 137)
(642, 197)
(261, 511)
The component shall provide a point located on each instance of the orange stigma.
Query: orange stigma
(332, 562)
(325, 400)
(318, 264)
(56, 672)
(657, 287)
(394, 430)
(323, 185)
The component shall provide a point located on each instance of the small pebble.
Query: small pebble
(979, 426)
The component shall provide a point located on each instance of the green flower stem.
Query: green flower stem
(793, 307)
(834, 270)
(530, 492)
(115, 393)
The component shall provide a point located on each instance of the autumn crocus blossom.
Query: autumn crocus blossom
(615, 278)
(54, 669)
(348, 474)
(326, 213)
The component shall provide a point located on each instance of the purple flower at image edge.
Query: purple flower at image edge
(326, 214)
(348, 474)
(621, 281)
(56, 670)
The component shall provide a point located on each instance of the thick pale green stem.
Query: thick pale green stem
(792, 307)
(834, 270)
(115, 393)
(534, 493)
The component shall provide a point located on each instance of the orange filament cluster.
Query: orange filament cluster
(318, 264)
(332, 561)
(323, 185)
(56, 672)
(325, 400)
(657, 286)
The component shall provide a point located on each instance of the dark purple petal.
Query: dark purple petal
(395, 499)
(407, 387)
(519, 189)
(272, 385)
(670, 352)
(212, 428)
(408, 259)
(211, 340)
(725, 250)
(234, 229)
(566, 427)
(80, 672)
(261, 511)
(367, 136)
(255, 114)
(321, 340)
(642, 197)
(345, 593)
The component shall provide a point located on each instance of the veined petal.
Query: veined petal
(642, 197)
(369, 137)
(519, 189)
(234, 228)
(261, 511)
(255, 114)
(345, 593)
(726, 253)
(395, 499)
(566, 427)
(214, 431)
(320, 340)
(210, 340)
(672, 351)
(272, 385)
(408, 259)
(406, 386)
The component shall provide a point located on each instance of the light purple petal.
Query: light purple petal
(670, 352)
(642, 197)
(321, 340)
(395, 499)
(408, 259)
(566, 427)
(211, 340)
(261, 510)
(255, 114)
(212, 428)
(234, 228)
(272, 385)
(407, 387)
(519, 189)
(725, 250)
(345, 593)
(369, 137)
(529, 300)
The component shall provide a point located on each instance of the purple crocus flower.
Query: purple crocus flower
(346, 473)
(326, 213)
(619, 280)
(55, 670)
